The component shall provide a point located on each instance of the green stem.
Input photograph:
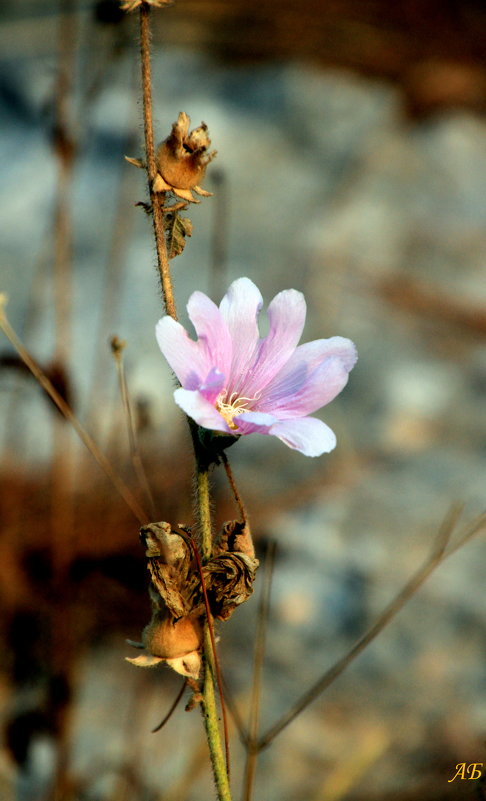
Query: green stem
(209, 706)
(204, 513)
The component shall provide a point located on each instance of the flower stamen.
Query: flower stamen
(231, 407)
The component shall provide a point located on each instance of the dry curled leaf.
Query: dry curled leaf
(176, 229)
(231, 571)
(171, 569)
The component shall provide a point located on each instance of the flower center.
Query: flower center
(231, 407)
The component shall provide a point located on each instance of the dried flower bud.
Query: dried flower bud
(117, 346)
(174, 634)
(182, 160)
(168, 638)
(188, 665)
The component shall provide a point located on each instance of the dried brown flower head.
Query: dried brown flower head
(182, 159)
(174, 634)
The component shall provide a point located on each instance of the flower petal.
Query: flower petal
(201, 410)
(315, 391)
(312, 377)
(213, 334)
(308, 435)
(286, 314)
(187, 358)
(254, 422)
(240, 308)
(213, 385)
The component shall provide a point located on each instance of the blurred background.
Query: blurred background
(351, 165)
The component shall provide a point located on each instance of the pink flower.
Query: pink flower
(236, 382)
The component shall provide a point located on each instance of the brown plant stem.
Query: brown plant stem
(132, 437)
(263, 612)
(112, 290)
(172, 709)
(156, 198)
(232, 483)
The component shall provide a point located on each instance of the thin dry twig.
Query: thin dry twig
(64, 148)
(117, 350)
(235, 714)
(113, 282)
(425, 300)
(172, 709)
(66, 410)
(440, 551)
(232, 483)
(259, 651)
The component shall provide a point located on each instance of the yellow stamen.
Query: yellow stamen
(231, 407)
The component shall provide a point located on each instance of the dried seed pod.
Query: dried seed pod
(174, 634)
(169, 638)
(182, 159)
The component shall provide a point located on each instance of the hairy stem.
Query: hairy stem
(203, 501)
(211, 723)
(210, 712)
(204, 513)
(156, 199)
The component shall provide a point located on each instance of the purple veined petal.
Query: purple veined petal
(240, 308)
(319, 349)
(201, 410)
(187, 358)
(213, 335)
(286, 314)
(291, 382)
(308, 435)
(213, 385)
(314, 391)
(254, 422)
